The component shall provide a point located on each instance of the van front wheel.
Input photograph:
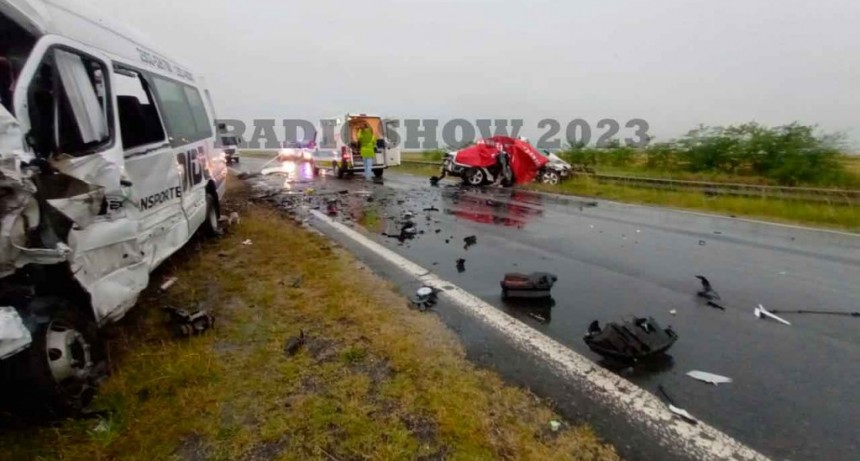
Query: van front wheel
(61, 369)
(211, 226)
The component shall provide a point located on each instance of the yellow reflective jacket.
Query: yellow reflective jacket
(367, 143)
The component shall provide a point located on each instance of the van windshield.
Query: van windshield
(15, 46)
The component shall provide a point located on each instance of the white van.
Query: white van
(345, 140)
(107, 167)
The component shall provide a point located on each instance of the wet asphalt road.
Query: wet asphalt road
(793, 395)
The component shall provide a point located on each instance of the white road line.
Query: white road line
(700, 442)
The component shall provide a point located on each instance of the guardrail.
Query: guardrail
(808, 194)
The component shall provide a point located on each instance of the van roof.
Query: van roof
(81, 22)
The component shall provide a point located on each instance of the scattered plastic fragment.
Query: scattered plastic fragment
(701, 243)
(761, 312)
(102, 426)
(709, 378)
(554, 425)
(168, 283)
(292, 346)
(431, 208)
(461, 265)
(673, 312)
(683, 414)
(631, 341)
(247, 242)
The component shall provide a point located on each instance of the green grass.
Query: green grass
(375, 380)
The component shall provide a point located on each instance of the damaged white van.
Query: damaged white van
(107, 167)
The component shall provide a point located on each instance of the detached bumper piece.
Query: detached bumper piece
(631, 341)
(534, 285)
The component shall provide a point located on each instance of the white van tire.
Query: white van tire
(63, 362)
(211, 225)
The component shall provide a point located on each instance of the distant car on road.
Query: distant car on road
(230, 146)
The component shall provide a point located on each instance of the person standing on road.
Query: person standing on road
(367, 148)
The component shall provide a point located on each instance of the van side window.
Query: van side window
(139, 123)
(183, 111)
(198, 110)
(69, 105)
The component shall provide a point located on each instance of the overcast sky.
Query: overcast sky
(675, 63)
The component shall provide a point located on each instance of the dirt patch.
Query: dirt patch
(423, 428)
(321, 349)
(265, 451)
(193, 448)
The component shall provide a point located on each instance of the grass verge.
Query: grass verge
(844, 217)
(375, 380)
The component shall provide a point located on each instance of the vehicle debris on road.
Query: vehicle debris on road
(185, 323)
(469, 241)
(707, 290)
(709, 378)
(761, 312)
(670, 403)
(709, 293)
(534, 285)
(424, 299)
(630, 341)
(461, 265)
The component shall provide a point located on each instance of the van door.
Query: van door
(153, 180)
(392, 142)
(191, 134)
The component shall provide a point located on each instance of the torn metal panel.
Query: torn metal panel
(14, 336)
(76, 200)
(109, 264)
(18, 209)
(104, 169)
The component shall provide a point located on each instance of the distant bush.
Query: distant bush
(788, 155)
(435, 155)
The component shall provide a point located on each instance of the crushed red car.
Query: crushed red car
(498, 160)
